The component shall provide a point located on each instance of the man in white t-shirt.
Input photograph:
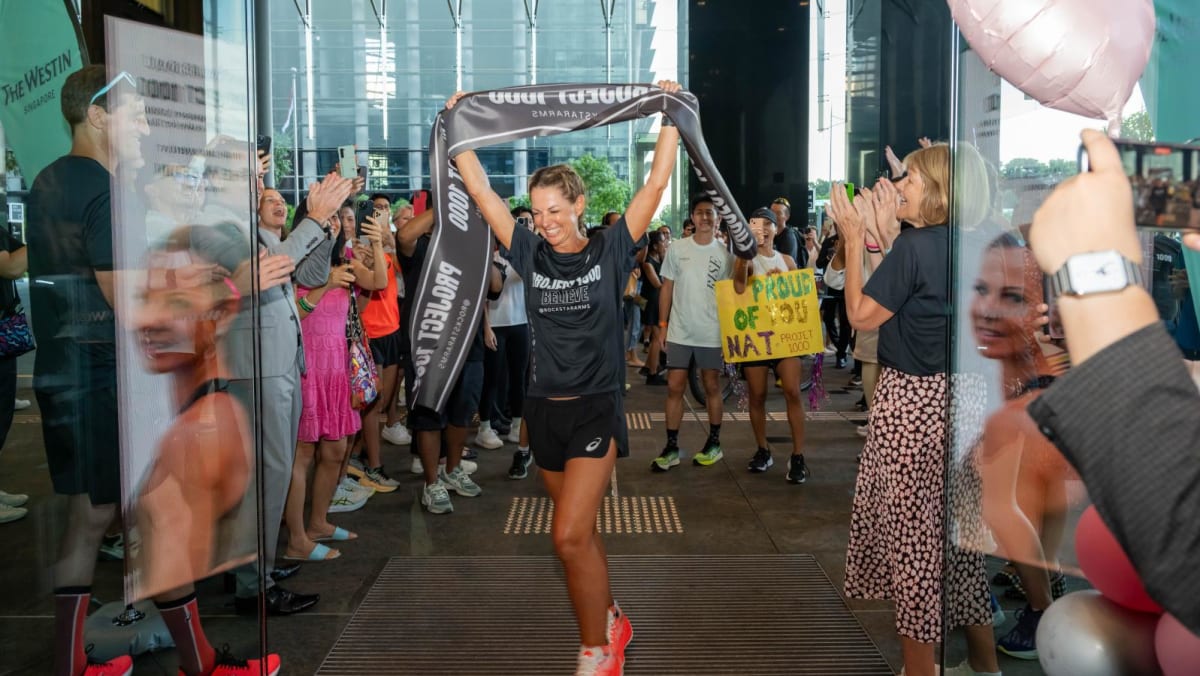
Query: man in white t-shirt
(687, 305)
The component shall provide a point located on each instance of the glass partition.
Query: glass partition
(1015, 508)
(131, 468)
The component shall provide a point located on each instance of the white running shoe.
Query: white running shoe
(396, 434)
(487, 438)
(344, 501)
(13, 499)
(459, 482)
(357, 490)
(436, 499)
(21, 404)
(8, 513)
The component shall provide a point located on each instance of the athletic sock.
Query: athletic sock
(182, 617)
(714, 435)
(524, 450)
(70, 610)
(672, 439)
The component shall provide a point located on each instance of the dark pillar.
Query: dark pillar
(748, 65)
(264, 120)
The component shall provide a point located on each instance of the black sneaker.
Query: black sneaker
(1021, 641)
(797, 471)
(520, 465)
(761, 461)
(855, 381)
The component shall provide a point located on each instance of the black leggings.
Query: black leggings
(504, 371)
(837, 324)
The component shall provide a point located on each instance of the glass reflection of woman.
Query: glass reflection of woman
(1024, 489)
(187, 505)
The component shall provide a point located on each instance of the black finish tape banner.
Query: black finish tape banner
(447, 299)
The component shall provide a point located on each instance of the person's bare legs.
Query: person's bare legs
(676, 382)
(712, 391)
(456, 438)
(73, 574)
(429, 443)
(330, 454)
(756, 392)
(981, 648)
(577, 494)
(654, 353)
(371, 431)
(299, 543)
(918, 657)
(789, 371)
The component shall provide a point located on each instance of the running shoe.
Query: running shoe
(1021, 641)
(855, 381)
(600, 661)
(10, 514)
(21, 404)
(356, 467)
(665, 460)
(13, 499)
(436, 499)
(487, 438)
(711, 455)
(458, 481)
(228, 665)
(761, 461)
(396, 435)
(357, 490)
(469, 466)
(344, 500)
(112, 548)
(620, 631)
(520, 465)
(965, 669)
(797, 471)
(121, 665)
(997, 611)
(378, 479)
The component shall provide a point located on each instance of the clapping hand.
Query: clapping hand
(326, 197)
(849, 219)
(886, 200)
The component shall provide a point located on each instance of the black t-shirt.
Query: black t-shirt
(649, 292)
(69, 234)
(787, 243)
(913, 282)
(575, 314)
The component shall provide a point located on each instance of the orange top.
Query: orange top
(381, 317)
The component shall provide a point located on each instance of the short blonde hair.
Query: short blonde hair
(560, 176)
(933, 164)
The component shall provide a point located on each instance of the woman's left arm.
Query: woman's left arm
(641, 207)
(864, 312)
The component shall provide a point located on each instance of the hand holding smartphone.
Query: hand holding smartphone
(1165, 180)
(347, 162)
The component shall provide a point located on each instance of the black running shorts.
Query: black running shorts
(560, 430)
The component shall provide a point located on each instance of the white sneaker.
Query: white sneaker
(459, 482)
(357, 490)
(486, 437)
(469, 466)
(514, 432)
(436, 499)
(21, 404)
(8, 513)
(396, 434)
(344, 501)
(862, 430)
(965, 669)
(13, 499)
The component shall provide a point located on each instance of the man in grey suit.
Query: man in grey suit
(281, 360)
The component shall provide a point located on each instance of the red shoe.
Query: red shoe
(117, 666)
(598, 662)
(620, 631)
(228, 665)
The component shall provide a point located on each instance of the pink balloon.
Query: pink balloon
(1079, 56)
(1106, 565)
(1178, 649)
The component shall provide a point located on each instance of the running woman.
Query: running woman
(573, 410)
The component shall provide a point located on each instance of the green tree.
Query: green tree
(1024, 167)
(519, 201)
(605, 191)
(281, 153)
(820, 186)
(672, 215)
(1138, 127)
(1060, 169)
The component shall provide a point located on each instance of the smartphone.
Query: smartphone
(264, 144)
(347, 162)
(365, 208)
(1165, 179)
(421, 200)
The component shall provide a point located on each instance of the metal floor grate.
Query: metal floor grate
(695, 615)
(627, 515)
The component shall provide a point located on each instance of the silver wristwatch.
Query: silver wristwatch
(1095, 272)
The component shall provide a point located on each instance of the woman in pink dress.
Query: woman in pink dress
(327, 419)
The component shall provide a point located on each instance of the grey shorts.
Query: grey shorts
(679, 356)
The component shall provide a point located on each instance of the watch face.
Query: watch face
(1097, 272)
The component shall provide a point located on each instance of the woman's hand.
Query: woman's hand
(865, 204)
(326, 197)
(924, 142)
(894, 162)
(669, 86)
(849, 220)
(489, 338)
(340, 277)
(373, 230)
(454, 99)
(886, 200)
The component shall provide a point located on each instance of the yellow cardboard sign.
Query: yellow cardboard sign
(777, 316)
